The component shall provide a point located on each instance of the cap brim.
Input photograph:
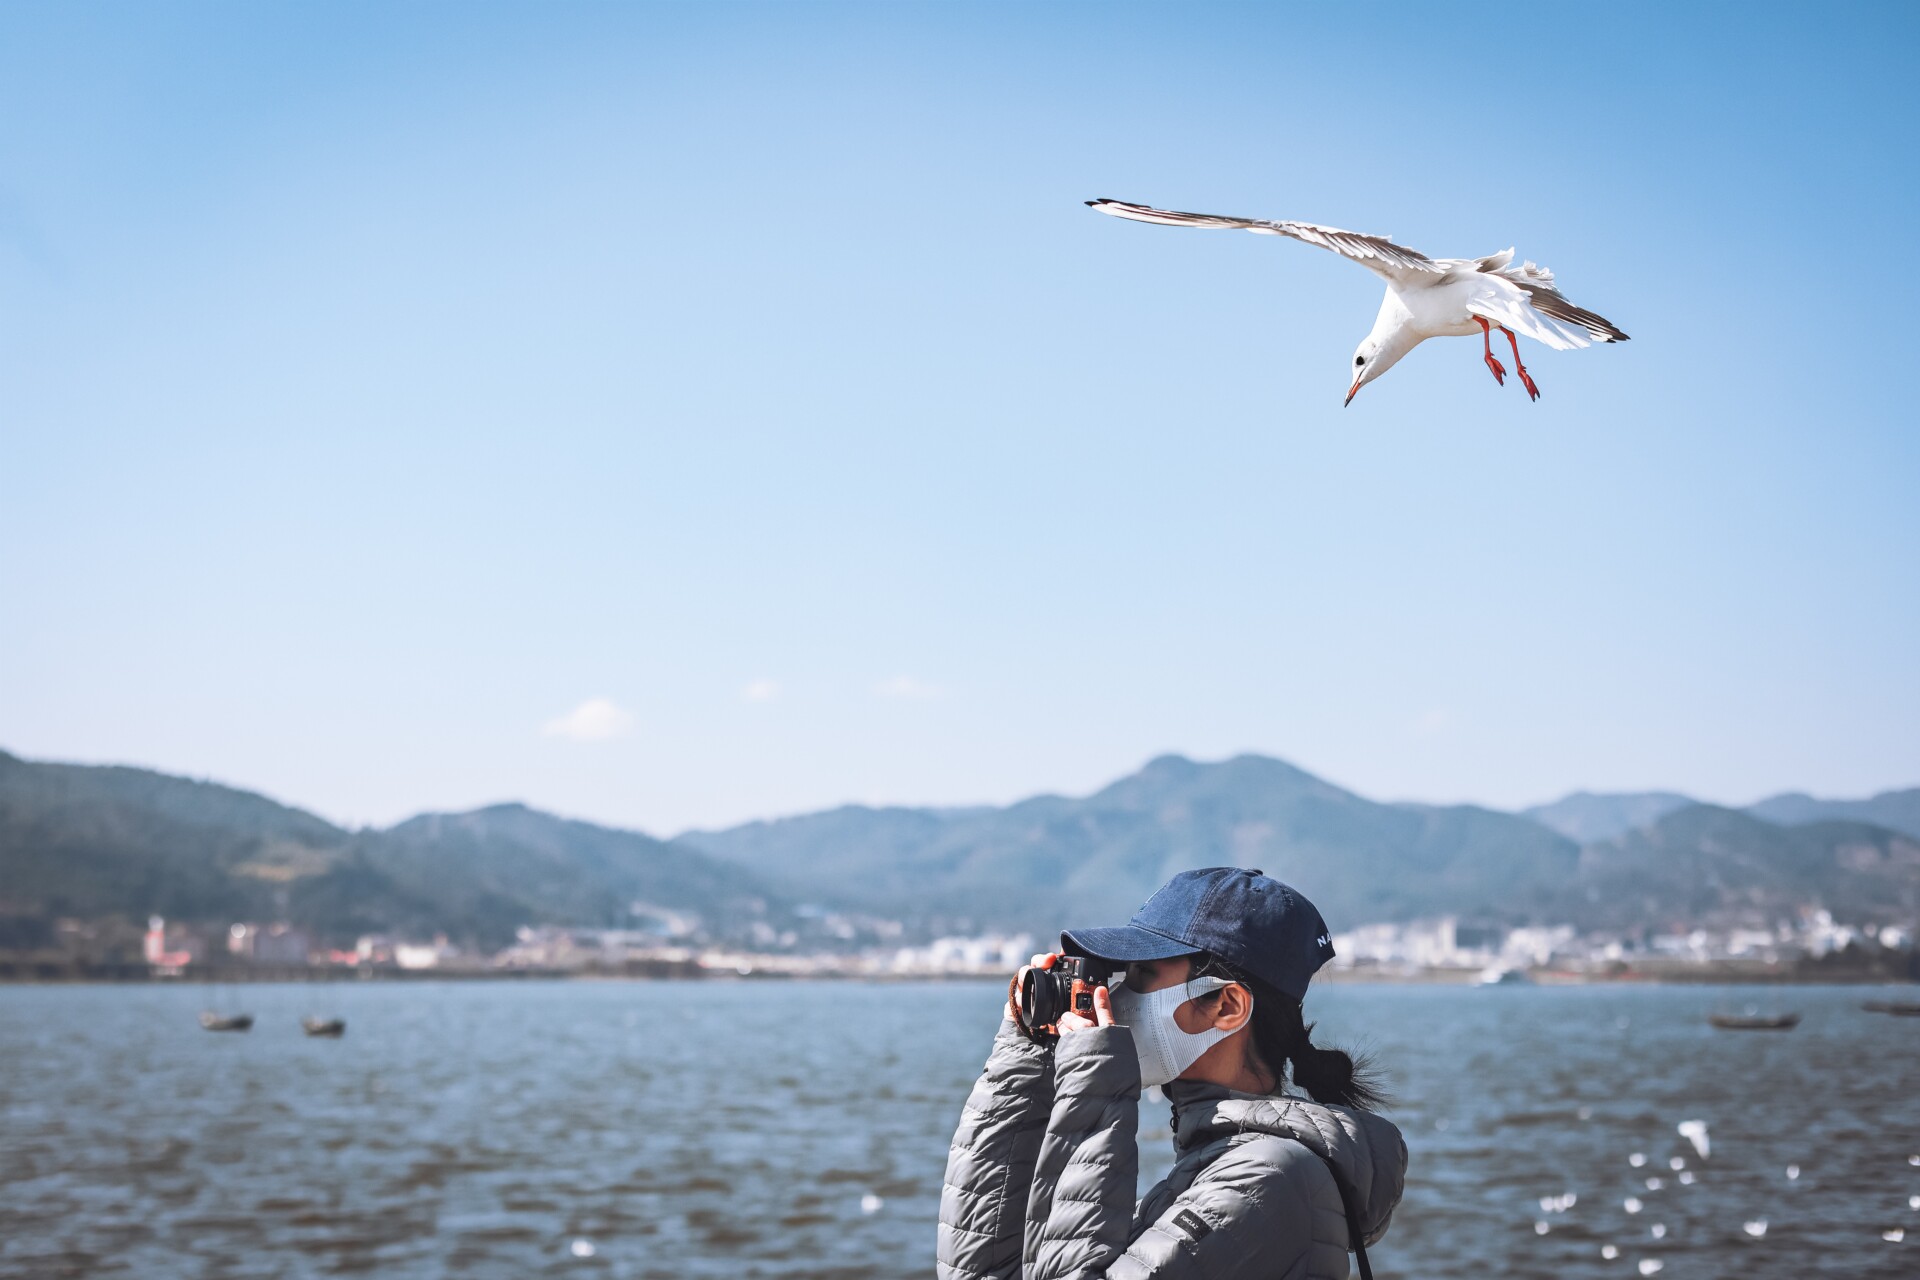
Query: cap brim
(1124, 944)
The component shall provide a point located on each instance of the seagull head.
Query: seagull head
(1376, 354)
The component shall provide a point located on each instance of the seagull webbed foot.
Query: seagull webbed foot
(1499, 370)
(1519, 365)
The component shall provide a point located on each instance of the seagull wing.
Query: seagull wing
(1525, 300)
(1378, 254)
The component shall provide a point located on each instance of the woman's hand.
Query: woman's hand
(1102, 1002)
(1102, 1014)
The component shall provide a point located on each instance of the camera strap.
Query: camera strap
(1356, 1238)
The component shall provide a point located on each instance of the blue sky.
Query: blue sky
(671, 415)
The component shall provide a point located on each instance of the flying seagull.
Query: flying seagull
(1427, 297)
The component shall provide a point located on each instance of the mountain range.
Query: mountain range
(103, 841)
(1614, 861)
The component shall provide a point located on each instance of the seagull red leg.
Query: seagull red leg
(1486, 336)
(1518, 367)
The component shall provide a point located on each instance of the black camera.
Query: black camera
(1068, 987)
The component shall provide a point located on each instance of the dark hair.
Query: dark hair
(1282, 1039)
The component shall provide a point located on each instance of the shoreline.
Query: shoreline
(1705, 975)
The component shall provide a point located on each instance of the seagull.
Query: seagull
(1427, 297)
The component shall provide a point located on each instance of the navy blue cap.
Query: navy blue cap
(1252, 921)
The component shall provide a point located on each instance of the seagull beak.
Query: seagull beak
(1352, 391)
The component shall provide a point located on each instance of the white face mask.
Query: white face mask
(1163, 1048)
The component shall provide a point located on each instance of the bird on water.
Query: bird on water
(1427, 297)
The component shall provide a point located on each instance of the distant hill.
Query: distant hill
(1054, 859)
(1585, 816)
(494, 865)
(1707, 863)
(89, 841)
(1896, 810)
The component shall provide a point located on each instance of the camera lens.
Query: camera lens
(1044, 996)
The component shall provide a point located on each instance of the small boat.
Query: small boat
(212, 1021)
(1755, 1022)
(1898, 1008)
(328, 1028)
(1502, 976)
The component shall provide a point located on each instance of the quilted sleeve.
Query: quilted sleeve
(1080, 1211)
(990, 1164)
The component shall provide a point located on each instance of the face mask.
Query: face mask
(1163, 1048)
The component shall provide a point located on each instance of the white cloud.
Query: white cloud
(908, 687)
(760, 691)
(594, 720)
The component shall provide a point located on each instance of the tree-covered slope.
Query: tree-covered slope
(92, 842)
(89, 841)
(1585, 816)
(1708, 863)
(1896, 810)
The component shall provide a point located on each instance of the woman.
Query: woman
(1267, 1185)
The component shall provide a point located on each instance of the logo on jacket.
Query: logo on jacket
(1192, 1225)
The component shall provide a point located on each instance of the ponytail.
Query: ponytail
(1283, 1040)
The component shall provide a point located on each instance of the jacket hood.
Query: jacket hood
(1366, 1148)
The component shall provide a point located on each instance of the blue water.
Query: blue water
(694, 1130)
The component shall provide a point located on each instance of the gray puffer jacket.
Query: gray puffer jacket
(1041, 1177)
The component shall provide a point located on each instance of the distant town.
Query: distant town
(1813, 947)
